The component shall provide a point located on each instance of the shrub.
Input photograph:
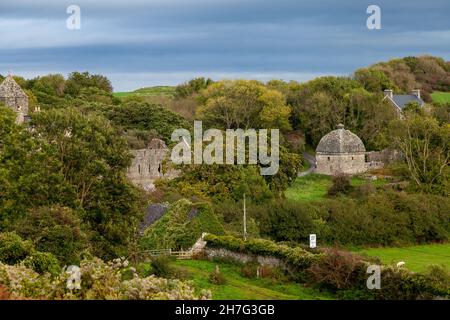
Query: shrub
(13, 249)
(341, 185)
(401, 284)
(42, 262)
(249, 269)
(181, 226)
(100, 280)
(383, 218)
(55, 229)
(216, 277)
(4, 294)
(161, 266)
(337, 269)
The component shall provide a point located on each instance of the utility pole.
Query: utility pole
(245, 220)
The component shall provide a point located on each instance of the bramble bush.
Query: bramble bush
(99, 280)
(14, 250)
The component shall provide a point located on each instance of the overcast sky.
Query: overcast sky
(139, 43)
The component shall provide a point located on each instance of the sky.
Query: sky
(137, 43)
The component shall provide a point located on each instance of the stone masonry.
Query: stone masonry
(12, 95)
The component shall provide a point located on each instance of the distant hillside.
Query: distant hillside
(428, 73)
(148, 91)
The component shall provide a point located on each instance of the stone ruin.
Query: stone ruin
(147, 165)
(12, 95)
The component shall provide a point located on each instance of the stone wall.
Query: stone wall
(147, 166)
(385, 156)
(332, 164)
(212, 253)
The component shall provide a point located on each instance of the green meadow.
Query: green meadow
(315, 186)
(416, 258)
(149, 91)
(441, 97)
(239, 287)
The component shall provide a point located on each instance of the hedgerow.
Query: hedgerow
(341, 272)
(296, 258)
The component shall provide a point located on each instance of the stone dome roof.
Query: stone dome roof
(340, 141)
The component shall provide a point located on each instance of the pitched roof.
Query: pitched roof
(401, 100)
(340, 141)
(10, 88)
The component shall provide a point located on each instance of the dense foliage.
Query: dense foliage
(75, 161)
(181, 226)
(383, 218)
(100, 280)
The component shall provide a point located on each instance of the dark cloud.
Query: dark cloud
(247, 37)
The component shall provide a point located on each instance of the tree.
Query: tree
(136, 115)
(75, 161)
(77, 80)
(243, 104)
(56, 230)
(191, 87)
(373, 80)
(425, 145)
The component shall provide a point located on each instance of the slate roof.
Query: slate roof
(340, 141)
(402, 99)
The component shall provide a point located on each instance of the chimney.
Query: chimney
(416, 92)
(389, 93)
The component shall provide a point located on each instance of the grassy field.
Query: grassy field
(149, 91)
(239, 287)
(416, 258)
(441, 96)
(315, 186)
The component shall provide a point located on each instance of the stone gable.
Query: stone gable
(12, 95)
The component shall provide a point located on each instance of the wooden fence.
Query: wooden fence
(182, 254)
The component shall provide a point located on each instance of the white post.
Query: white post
(245, 220)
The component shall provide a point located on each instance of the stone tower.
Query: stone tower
(12, 95)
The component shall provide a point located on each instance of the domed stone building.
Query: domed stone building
(340, 152)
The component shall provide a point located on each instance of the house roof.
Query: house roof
(340, 141)
(402, 99)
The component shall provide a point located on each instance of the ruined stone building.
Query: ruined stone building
(12, 95)
(147, 165)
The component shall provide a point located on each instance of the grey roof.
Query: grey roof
(402, 99)
(340, 141)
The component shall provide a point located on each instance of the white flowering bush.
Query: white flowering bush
(98, 280)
